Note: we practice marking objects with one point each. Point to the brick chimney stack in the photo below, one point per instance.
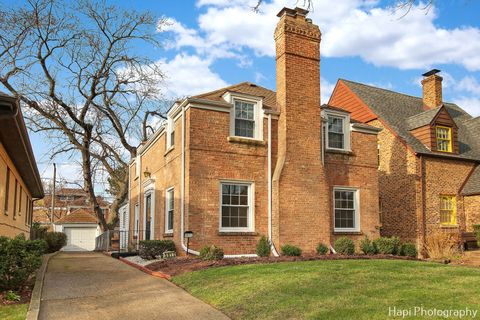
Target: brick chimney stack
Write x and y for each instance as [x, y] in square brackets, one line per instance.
[432, 89]
[300, 192]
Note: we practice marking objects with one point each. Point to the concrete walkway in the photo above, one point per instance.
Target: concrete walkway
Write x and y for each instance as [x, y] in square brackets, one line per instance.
[94, 286]
[471, 258]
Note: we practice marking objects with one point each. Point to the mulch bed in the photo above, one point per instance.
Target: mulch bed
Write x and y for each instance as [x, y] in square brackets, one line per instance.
[25, 295]
[181, 265]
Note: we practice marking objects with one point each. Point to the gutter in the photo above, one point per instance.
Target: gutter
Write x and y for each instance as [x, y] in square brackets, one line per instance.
[270, 229]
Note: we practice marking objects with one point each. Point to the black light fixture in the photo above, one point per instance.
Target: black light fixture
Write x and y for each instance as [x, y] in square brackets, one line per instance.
[188, 235]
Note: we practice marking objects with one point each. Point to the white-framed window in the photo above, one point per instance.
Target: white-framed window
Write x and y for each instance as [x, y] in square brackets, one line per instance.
[169, 210]
[148, 218]
[338, 131]
[246, 118]
[136, 220]
[346, 209]
[138, 166]
[170, 133]
[236, 206]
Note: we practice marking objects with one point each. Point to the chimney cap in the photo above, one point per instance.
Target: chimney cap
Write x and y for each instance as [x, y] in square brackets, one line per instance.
[431, 73]
[293, 12]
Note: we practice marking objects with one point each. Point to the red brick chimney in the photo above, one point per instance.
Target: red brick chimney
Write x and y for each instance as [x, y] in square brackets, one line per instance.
[300, 192]
[432, 89]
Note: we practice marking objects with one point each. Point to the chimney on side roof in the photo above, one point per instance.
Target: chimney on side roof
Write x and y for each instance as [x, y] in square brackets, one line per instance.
[432, 89]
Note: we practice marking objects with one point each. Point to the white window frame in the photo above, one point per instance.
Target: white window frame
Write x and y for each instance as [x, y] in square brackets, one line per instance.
[149, 190]
[346, 130]
[258, 112]
[167, 209]
[170, 129]
[136, 221]
[356, 204]
[251, 206]
[138, 165]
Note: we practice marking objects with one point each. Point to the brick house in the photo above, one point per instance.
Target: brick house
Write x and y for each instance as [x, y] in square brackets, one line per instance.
[20, 182]
[429, 153]
[243, 161]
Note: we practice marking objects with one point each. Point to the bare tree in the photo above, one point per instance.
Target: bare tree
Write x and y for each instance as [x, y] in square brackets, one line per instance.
[75, 68]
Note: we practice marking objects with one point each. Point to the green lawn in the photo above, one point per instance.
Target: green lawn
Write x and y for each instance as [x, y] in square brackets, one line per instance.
[333, 289]
[14, 312]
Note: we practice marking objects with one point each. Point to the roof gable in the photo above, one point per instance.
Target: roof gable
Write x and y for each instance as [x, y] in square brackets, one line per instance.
[78, 216]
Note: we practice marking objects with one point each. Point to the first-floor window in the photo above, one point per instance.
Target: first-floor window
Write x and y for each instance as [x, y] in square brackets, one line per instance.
[236, 207]
[448, 210]
[346, 209]
[136, 219]
[169, 210]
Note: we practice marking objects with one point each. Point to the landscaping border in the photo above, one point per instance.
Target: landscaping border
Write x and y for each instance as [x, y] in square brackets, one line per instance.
[157, 274]
[34, 306]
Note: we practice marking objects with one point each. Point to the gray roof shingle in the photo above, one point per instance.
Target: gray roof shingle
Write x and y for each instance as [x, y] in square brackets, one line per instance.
[402, 112]
[473, 184]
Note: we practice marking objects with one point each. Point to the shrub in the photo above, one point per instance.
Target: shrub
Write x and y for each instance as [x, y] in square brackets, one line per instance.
[37, 231]
[12, 296]
[322, 249]
[476, 229]
[367, 246]
[19, 258]
[408, 250]
[211, 253]
[289, 250]
[344, 245]
[386, 245]
[263, 247]
[441, 245]
[55, 241]
[151, 249]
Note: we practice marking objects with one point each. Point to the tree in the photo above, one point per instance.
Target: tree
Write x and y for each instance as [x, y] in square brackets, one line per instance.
[75, 69]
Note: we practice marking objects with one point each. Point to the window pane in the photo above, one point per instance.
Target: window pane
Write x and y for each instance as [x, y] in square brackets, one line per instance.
[335, 140]
[344, 209]
[234, 206]
[244, 128]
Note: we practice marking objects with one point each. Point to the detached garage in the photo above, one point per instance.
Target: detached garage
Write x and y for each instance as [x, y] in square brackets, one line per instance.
[81, 229]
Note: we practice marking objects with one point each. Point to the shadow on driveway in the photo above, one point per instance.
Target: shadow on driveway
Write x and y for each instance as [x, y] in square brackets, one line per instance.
[87, 285]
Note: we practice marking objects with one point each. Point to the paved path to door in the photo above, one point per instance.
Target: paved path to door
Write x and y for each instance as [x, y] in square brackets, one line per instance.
[94, 286]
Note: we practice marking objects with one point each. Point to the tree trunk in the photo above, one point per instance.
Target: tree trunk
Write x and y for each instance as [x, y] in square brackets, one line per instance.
[119, 198]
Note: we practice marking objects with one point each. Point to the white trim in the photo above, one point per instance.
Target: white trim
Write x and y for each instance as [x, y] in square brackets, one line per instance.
[136, 219]
[170, 129]
[346, 129]
[251, 206]
[257, 102]
[212, 108]
[269, 173]
[167, 202]
[149, 190]
[356, 204]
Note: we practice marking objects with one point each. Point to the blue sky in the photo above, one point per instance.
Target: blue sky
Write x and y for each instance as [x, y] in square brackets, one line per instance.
[208, 44]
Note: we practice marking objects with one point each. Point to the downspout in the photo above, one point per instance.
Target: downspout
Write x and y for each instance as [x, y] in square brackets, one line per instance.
[270, 229]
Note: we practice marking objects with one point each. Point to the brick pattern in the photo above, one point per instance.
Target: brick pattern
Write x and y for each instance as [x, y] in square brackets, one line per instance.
[432, 91]
[472, 212]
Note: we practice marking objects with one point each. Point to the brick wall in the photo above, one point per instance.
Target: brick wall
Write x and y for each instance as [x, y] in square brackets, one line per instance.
[472, 211]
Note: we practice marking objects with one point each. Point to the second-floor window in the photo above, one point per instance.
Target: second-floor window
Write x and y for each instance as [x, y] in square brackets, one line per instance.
[444, 139]
[170, 133]
[338, 131]
[244, 119]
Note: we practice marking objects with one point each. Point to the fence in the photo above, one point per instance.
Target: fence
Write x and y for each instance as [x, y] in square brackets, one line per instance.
[120, 240]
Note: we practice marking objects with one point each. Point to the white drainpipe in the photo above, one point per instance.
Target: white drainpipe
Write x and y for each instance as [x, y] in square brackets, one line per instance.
[269, 160]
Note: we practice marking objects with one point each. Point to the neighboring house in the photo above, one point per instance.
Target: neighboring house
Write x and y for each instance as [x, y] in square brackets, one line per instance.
[243, 161]
[20, 182]
[81, 228]
[66, 201]
[429, 152]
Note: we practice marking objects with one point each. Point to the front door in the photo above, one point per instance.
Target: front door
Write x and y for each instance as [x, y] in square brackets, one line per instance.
[148, 216]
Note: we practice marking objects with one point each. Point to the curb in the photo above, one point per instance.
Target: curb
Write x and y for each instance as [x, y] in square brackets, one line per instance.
[157, 274]
[34, 306]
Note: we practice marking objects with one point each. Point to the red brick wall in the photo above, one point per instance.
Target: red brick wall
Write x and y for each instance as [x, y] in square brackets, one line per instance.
[472, 211]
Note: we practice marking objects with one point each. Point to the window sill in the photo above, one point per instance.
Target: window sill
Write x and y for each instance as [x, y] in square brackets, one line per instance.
[249, 141]
[168, 235]
[449, 226]
[168, 150]
[346, 152]
[352, 233]
[237, 233]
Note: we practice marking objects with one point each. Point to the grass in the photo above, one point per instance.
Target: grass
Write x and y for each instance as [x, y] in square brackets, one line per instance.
[14, 311]
[341, 289]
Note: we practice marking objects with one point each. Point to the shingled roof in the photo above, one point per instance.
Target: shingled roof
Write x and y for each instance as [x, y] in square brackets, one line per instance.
[402, 113]
[473, 184]
[78, 216]
[269, 98]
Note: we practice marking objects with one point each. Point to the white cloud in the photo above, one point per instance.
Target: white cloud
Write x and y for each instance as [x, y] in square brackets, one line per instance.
[188, 75]
[469, 84]
[350, 28]
[469, 104]
[326, 89]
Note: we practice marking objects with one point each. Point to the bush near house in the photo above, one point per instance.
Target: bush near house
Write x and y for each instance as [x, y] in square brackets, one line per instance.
[344, 245]
[263, 247]
[322, 249]
[55, 241]
[367, 246]
[19, 259]
[211, 253]
[289, 250]
[408, 250]
[476, 229]
[37, 231]
[151, 249]
[441, 245]
[385, 245]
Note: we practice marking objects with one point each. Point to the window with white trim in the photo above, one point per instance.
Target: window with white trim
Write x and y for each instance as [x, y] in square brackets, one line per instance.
[345, 207]
[338, 131]
[170, 133]
[169, 210]
[136, 219]
[236, 207]
[244, 119]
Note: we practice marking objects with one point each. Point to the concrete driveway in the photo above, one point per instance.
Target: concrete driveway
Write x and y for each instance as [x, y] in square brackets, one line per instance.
[86, 285]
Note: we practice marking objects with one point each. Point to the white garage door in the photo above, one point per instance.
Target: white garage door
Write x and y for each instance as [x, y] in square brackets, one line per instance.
[80, 238]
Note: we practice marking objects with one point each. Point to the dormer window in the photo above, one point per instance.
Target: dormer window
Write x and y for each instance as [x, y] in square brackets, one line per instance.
[444, 139]
[338, 131]
[244, 119]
